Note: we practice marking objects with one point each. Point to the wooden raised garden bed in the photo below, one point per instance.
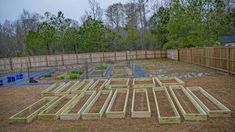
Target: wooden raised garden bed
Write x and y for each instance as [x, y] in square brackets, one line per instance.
[118, 104]
[117, 83]
[31, 112]
[166, 110]
[53, 111]
[50, 91]
[140, 104]
[209, 104]
[65, 89]
[97, 106]
[74, 110]
[143, 83]
[189, 108]
[98, 85]
[82, 86]
[167, 81]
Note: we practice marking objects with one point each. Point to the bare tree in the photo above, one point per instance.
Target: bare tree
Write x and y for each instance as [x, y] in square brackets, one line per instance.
[96, 12]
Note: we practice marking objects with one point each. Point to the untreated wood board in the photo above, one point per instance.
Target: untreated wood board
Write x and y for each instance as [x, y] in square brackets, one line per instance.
[53, 111]
[166, 110]
[117, 82]
[50, 91]
[189, 108]
[65, 89]
[209, 104]
[97, 106]
[74, 110]
[98, 85]
[140, 104]
[143, 82]
[118, 104]
[31, 112]
[82, 86]
[167, 81]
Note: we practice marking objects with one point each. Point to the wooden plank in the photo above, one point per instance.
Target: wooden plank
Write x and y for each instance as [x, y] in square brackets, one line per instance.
[169, 119]
[82, 86]
[167, 81]
[194, 111]
[53, 111]
[207, 99]
[98, 85]
[118, 113]
[31, 112]
[140, 113]
[79, 104]
[117, 82]
[88, 114]
[143, 82]
[50, 91]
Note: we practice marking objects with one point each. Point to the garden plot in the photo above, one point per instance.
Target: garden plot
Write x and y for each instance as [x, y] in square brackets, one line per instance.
[140, 104]
[53, 111]
[119, 71]
[143, 83]
[28, 114]
[98, 85]
[167, 81]
[117, 83]
[98, 105]
[50, 91]
[209, 104]
[77, 106]
[82, 86]
[166, 110]
[118, 104]
[66, 88]
[189, 108]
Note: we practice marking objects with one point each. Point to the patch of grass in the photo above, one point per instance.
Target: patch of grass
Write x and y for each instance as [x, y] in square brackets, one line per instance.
[73, 75]
[103, 66]
[77, 128]
[48, 75]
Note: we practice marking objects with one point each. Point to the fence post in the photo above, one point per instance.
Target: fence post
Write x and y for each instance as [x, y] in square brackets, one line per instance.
[30, 65]
[115, 55]
[11, 64]
[154, 54]
[136, 55]
[62, 57]
[91, 57]
[103, 55]
[46, 60]
[228, 60]
[126, 55]
[145, 54]
[178, 54]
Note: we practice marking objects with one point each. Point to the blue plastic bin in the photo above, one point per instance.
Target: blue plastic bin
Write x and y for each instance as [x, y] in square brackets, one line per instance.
[21, 76]
[1, 82]
[11, 79]
[17, 76]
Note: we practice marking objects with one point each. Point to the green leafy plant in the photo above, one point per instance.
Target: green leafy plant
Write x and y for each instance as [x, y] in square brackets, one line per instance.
[103, 66]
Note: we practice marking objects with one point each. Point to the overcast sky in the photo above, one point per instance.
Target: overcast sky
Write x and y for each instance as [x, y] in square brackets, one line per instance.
[74, 9]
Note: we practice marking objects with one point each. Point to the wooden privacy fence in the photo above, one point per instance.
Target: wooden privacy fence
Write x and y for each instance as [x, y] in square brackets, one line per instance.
[218, 58]
[21, 63]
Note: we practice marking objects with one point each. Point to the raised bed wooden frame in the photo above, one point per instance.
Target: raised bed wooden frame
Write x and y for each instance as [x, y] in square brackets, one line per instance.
[188, 116]
[140, 114]
[72, 83]
[223, 112]
[50, 91]
[166, 120]
[96, 83]
[45, 115]
[124, 85]
[65, 115]
[16, 118]
[76, 88]
[87, 115]
[117, 114]
[178, 81]
[144, 84]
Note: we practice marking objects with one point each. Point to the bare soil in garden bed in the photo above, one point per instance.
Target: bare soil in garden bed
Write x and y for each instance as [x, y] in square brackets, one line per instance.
[117, 82]
[98, 85]
[83, 85]
[169, 81]
[79, 104]
[118, 104]
[98, 104]
[144, 82]
[140, 102]
[67, 88]
[59, 106]
[164, 104]
[209, 104]
[185, 101]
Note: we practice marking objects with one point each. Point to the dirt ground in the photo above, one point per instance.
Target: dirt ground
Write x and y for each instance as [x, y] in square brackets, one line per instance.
[13, 100]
